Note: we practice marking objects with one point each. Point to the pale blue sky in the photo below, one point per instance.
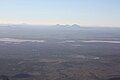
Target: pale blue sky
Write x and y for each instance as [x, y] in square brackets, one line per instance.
[83, 12]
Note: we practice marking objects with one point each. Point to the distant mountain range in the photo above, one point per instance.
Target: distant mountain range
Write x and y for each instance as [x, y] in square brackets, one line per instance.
[57, 25]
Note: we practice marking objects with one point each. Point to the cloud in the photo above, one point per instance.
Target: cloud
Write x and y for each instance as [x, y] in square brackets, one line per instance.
[12, 40]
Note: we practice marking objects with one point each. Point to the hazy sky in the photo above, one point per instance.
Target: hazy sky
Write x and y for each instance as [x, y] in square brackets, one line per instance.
[83, 12]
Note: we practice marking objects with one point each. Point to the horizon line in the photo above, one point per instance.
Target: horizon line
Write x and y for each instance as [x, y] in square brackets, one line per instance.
[8, 24]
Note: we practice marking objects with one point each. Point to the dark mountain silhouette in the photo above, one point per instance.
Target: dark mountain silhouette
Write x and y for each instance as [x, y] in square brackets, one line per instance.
[4, 77]
[114, 78]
